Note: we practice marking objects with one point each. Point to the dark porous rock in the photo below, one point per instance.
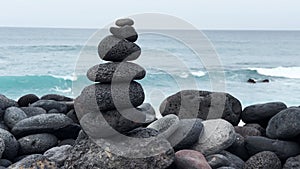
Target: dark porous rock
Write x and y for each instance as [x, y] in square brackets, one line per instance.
[5, 163]
[142, 133]
[247, 131]
[44, 123]
[261, 113]
[292, 163]
[204, 105]
[218, 135]
[13, 115]
[125, 32]
[115, 49]
[56, 97]
[265, 160]
[72, 115]
[285, 125]
[51, 104]
[113, 122]
[283, 149]
[104, 97]
[116, 72]
[34, 161]
[6, 102]
[70, 142]
[187, 133]
[238, 147]
[3, 126]
[150, 153]
[58, 154]
[69, 132]
[185, 159]
[234, 160]
[28, 99]
[11, 145]
[2, 147]
[124, 22]
[258, 127]
[217, 160]
[166, 125]
[36, 143]
[33, 111]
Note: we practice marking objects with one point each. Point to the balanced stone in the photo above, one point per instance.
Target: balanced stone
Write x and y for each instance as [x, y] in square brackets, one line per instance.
[185, 159]
[124, 22]
[187, 133]
[27, 100]
[13, 115]
[285, 125]
[36, 143]
[202, 104]
[11, 145]
[262, 112]
[283, 149]
[41, 123]
[265, 159]
[104, 97]
[115, 49]
[125, 32]
[116, 72]
[218, 135]
[166, 126]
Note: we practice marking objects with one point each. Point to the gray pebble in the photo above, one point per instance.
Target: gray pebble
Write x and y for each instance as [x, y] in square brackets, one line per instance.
[11, 145]
[124, 22]
[13, 115]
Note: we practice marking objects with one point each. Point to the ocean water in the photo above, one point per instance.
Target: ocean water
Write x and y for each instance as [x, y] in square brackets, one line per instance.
[42, 61]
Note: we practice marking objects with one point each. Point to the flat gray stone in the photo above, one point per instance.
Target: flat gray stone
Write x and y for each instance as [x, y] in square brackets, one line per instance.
[125, 32]
[58, 154]
[33, 111]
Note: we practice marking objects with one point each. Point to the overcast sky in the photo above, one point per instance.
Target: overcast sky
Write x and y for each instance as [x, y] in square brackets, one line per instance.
[204, 14]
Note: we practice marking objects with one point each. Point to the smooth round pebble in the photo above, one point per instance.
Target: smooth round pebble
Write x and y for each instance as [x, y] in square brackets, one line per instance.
[217, 160]
[285, 124]
[33, 111]
[125, 32]
[58, 154]
[11, 145]
[124, 22]
[116, 72]
[265, 160]
[187, 133]
[13, 115]
[218, 135]
[189, 159]
[115, 49]
[166, 125]
[28, 99]
[292, 163]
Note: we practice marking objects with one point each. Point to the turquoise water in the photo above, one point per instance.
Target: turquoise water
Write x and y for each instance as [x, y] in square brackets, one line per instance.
[42, 61]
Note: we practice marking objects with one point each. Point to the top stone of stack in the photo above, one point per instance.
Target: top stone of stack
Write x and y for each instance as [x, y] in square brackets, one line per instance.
[120, 45]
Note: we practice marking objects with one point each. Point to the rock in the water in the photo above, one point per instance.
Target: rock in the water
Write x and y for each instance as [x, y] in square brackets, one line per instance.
[116, 72]
[247, 131]
[142, 133]
[259, 113]
[125, 32]
[234, 160]
[285, 125]
[189, 159]
[104, 97]
[292, 163]
[51, 104]
[58, 154]
[56, 97]
[187, 133]
[218, 135]
[283, 149]
[36, 143]
[44, 123]
[166, 126]
[150, 153]
[265, 160]
[217, 160]
[13, 115]
[124, 22]
[203, 104]
[238, 147]
[5, 163]
[6, 102]
[115, 49]
[33, 162]
[2, 147]
[11, 145]
[33, 111]
[28, 99]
